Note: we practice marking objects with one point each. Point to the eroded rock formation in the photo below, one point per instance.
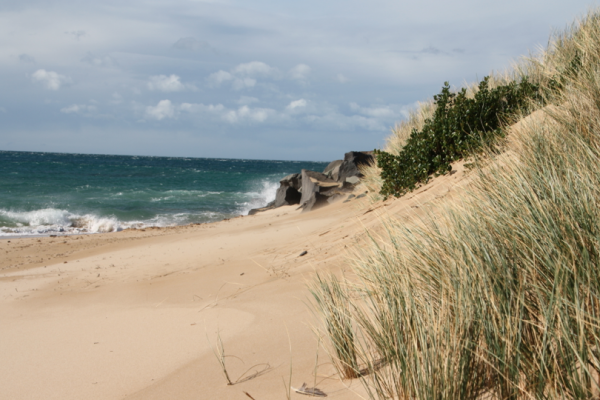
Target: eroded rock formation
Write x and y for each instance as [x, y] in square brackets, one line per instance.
[312, 190]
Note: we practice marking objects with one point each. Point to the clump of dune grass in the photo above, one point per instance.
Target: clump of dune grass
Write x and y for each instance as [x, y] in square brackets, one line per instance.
[496, 295]
[332, 300]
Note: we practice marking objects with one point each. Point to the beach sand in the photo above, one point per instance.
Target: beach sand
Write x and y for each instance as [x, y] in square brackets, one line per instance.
[129, 315]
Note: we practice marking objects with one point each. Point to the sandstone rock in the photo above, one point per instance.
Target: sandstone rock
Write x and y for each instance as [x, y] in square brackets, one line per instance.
[315, 186]
[315, 182]
[353, 160]
[287, 196]
[332, 171]
[353, 180]
[292, 180]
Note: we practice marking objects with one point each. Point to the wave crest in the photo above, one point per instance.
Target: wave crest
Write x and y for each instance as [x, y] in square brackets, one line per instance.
[52, 220]
[265, 193]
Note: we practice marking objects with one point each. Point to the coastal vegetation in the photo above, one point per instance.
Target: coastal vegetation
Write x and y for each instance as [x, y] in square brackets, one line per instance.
[460, 126]
[496, 294]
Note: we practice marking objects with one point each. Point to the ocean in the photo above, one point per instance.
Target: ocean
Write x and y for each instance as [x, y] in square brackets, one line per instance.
[50, 193]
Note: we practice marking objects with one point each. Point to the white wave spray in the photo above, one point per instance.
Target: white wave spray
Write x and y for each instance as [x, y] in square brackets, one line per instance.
[265, 193]
[52, 220]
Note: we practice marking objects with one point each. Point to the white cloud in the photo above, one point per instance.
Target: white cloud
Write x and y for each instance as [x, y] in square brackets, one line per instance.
[254, 68]
[165, 83]
[256, 114]
[215, 79]
[219, 77]
[196, 108]
[242, 114]
[377, 112]
[296, 104]
[50, 79]
[77, 108]
[243, 75]
[324, 116]
[164, 109]
[336, 121]
[341, 78]
[300, 72]
[320, 116]
[241, 83]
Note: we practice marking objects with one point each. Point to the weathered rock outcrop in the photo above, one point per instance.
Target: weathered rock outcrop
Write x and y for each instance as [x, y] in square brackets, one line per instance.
[333, 169]
[292, 180]
[288, 193]
[313, 189]
[352, 161]
[287, 196]
[315, 182]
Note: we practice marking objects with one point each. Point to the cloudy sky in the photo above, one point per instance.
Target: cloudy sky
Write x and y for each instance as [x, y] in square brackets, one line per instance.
[262, 79]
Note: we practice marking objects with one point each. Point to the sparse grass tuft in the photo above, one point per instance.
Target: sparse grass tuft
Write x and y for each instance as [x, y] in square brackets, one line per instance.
[219, 352]
[332, 302]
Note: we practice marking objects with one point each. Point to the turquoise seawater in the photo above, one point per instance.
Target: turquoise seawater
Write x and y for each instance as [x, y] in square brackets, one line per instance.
[45, 193]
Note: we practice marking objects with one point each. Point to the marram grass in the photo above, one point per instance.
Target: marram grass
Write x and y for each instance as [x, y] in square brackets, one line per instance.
[496, 295]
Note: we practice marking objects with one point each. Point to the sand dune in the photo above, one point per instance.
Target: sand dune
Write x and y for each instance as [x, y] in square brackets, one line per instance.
[126, 315]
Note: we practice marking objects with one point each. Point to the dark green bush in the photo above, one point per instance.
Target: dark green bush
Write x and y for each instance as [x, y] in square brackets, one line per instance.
[460, 126]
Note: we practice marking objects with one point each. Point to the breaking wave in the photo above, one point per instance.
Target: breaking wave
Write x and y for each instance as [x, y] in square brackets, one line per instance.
[50, 221]
[264, 194]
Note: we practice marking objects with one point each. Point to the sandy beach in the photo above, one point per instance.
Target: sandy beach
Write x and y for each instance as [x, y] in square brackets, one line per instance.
[136, 314]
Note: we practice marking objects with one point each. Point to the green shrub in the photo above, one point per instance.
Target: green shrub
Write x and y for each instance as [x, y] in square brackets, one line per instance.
[459, 127]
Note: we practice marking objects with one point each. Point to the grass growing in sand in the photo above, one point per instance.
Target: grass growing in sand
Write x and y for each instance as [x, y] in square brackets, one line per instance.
[497, 296]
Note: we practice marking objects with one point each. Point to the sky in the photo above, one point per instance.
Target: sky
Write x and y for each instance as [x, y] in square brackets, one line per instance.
[254, 79]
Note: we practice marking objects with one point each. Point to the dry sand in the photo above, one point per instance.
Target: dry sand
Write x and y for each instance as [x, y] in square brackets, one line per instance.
[126, 315]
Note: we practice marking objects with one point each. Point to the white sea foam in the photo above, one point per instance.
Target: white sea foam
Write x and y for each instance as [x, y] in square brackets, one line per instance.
[50, 221]
[93, 224]
[46, 216]
[265, 193]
